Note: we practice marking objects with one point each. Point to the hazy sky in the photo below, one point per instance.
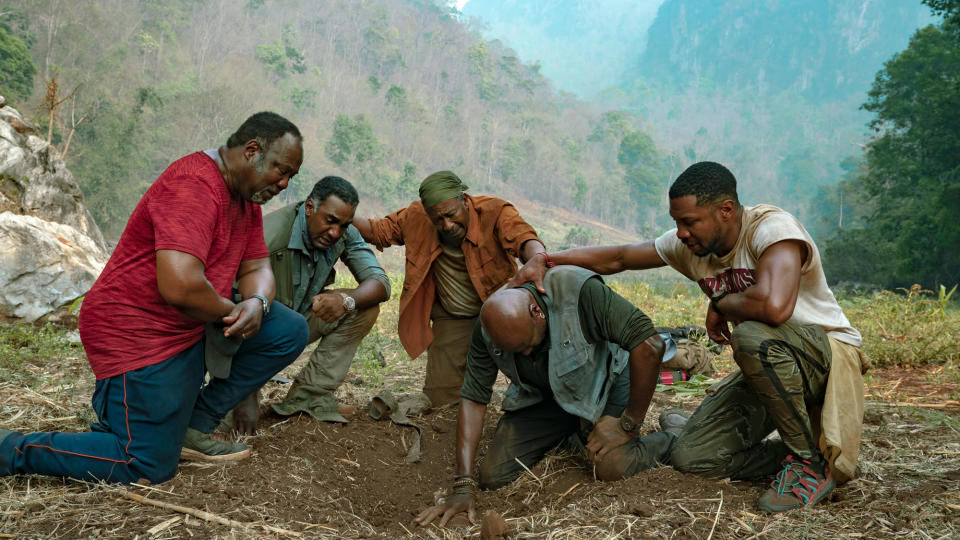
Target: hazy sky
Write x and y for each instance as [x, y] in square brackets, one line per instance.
[583, 46]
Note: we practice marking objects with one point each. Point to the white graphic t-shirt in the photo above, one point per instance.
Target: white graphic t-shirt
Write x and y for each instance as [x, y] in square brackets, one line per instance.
[762, 226]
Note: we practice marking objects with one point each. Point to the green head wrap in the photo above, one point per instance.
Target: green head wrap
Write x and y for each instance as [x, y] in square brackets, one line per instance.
[440, 186]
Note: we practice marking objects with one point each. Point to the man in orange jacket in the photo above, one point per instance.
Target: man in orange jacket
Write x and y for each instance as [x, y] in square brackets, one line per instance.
[459, 250]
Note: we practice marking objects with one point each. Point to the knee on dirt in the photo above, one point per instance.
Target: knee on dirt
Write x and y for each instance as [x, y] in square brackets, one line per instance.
[490, 477]
[156, 468]
[613, 466]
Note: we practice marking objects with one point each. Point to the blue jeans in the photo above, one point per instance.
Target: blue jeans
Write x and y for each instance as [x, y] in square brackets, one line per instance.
[144, 414]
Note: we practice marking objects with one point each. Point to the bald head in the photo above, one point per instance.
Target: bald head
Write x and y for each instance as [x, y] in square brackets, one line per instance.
[513, 320]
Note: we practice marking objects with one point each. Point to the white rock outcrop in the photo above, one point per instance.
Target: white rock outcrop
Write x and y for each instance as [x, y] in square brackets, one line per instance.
[51, 250]
[45, 265]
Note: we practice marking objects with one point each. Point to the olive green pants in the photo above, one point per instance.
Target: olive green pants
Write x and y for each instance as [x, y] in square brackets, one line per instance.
[447, 356]
[783, 369]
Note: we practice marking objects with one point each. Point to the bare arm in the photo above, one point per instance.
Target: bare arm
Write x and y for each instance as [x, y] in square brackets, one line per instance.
[600, 259]
[611, 259]
[365, 227]
[182, 284]
[531, 248]
[772, 298]
[644, 365]
[255, 277]
[469, 429]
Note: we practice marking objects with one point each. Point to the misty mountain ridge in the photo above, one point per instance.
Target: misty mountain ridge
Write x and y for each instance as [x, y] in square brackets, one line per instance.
[821, 49]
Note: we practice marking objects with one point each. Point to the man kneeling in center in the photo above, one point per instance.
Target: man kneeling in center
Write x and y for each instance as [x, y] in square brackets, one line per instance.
[305, 240]
[582, 361]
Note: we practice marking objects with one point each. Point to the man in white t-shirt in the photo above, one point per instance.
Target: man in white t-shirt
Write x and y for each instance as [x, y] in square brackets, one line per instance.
[800, 360]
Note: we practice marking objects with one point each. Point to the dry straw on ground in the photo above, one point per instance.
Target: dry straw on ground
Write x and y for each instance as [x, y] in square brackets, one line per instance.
[313, 480]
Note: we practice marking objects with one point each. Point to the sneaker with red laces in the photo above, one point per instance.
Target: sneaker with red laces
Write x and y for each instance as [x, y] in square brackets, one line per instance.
[801, 483]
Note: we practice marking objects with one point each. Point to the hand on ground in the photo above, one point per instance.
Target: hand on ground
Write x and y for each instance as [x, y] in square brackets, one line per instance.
[453, 505]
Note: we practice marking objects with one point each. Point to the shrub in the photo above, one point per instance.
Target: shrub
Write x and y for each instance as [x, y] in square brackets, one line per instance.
[909, 329]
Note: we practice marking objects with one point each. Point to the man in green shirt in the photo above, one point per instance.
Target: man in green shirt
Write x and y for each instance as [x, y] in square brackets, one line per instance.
[305, 240]
[583, 365]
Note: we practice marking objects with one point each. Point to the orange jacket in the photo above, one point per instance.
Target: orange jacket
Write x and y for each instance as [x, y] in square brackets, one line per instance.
[495, 236]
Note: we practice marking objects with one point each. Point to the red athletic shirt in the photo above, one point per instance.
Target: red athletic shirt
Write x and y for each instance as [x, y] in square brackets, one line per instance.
[124, 322]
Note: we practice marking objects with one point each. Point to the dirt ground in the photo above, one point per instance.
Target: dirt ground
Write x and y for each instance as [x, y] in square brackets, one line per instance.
[317, 480]
[320, 480]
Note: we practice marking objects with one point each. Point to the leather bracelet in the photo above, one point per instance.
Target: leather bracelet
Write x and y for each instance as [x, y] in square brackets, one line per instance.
[549, 264]
[717, 298]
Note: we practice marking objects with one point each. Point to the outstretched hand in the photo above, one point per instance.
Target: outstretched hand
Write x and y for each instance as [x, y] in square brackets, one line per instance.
[534, 270]
[453, 505]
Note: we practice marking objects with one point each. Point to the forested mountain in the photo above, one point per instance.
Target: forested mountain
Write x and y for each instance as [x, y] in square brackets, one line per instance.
[385, 92]
[772, 89]
[822, 50]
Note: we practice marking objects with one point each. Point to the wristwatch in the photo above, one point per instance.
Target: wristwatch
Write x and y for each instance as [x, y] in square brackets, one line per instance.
[628, 424]
[349, 303]
[714, 300]
[264, 301]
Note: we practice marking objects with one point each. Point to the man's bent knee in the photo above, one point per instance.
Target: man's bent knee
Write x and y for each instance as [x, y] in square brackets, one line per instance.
[614, 465]
[491, 477]
[156, 472]
[693, 462]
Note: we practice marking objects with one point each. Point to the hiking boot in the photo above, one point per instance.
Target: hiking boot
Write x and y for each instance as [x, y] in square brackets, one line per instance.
[801, 483]
[673, 421]
[199, 446]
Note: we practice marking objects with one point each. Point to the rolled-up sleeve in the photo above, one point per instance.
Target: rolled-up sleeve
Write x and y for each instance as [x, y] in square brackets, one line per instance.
[513, 230]
[389, 230]
[481, 371]
[361, 261]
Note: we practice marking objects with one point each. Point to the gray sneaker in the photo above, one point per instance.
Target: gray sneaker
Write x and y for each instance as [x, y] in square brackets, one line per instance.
[673, 421]
[198, 446]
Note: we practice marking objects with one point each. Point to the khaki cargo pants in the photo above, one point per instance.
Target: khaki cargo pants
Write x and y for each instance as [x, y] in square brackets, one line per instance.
[447, 356]
[329, 362]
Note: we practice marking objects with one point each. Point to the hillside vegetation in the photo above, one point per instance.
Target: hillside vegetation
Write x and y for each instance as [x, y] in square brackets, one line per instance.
[384, 92]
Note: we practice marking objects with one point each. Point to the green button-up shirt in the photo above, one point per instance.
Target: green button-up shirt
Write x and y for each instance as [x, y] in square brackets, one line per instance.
[302, 271]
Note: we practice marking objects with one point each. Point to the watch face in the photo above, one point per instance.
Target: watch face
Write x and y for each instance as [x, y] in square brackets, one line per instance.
[627, 424]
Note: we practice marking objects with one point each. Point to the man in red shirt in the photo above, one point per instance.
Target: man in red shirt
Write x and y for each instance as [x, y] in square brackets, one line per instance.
[196, 232]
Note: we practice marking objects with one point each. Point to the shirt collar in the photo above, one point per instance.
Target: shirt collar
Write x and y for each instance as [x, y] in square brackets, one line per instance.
[473, 223]
[299, 239]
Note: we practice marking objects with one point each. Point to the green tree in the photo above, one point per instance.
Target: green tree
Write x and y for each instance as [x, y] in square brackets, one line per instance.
[644, 169]
[912, 175]
[352, 140]
[16, 67]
